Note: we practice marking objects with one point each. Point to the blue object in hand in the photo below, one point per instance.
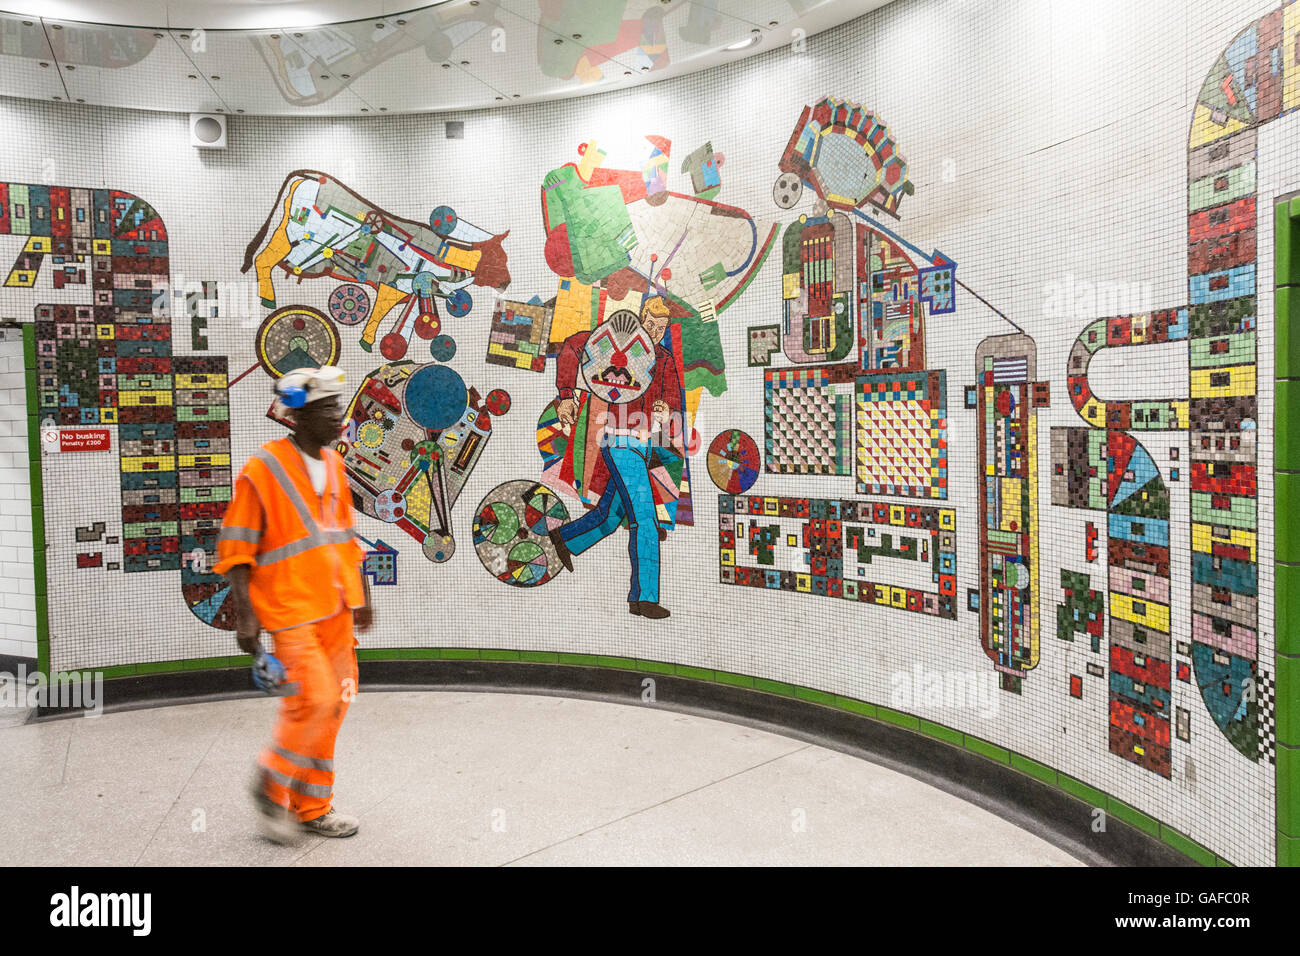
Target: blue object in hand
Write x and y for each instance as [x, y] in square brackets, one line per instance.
[269, 674]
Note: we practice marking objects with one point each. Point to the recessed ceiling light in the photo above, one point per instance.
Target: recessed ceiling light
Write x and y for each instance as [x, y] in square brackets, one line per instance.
[275, 36]
[57, 27]
[157, 36]
[324, 76]
[401, 23]
[221, 109]
[44, 64]
[27, 23]
[577, 36]
[346, 76]
[644, 68]
[216, 77]
[501, 97]
[239, 111]
[446, 66]
[627, 72]
[80, 100]
[69, 66]
[193, 76]
[516, 96]
[741, 44]
[58, 97]
[558, 40]
[298, 35]
[365, 109]
[464, 62]
[383, 109]
[379, 25]
[772, 23]
[185, 36]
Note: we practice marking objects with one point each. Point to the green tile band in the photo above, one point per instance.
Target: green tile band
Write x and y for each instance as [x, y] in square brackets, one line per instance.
[1286, 484]
[40, 581]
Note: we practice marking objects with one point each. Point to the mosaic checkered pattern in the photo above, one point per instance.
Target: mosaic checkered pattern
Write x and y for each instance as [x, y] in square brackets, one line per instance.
[902, 435]
[808, 420]
[1267, 716]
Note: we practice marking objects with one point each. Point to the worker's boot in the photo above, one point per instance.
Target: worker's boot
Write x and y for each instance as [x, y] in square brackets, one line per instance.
[332, 824]
[278, 824]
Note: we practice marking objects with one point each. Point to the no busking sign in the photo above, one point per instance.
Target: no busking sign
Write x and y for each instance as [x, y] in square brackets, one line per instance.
[80, 439]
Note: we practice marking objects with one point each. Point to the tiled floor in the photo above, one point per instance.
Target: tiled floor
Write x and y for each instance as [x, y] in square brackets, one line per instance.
[481, 779]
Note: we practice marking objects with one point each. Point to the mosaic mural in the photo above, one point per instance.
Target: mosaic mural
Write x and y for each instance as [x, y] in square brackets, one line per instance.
[838, 470]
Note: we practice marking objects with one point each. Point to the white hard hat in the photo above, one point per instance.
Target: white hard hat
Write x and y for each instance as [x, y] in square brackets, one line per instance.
[305, 385]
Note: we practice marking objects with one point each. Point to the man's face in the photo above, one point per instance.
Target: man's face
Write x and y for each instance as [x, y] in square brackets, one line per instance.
[321, 420]
[654, 325]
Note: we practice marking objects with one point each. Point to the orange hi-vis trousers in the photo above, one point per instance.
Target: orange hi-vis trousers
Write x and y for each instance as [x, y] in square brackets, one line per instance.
[321, 659]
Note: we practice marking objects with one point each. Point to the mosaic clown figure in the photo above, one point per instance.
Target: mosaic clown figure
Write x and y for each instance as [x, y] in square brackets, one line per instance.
[623, 363]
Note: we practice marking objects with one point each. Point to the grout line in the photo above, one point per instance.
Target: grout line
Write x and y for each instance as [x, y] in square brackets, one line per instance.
[661, 803]
[166, 813]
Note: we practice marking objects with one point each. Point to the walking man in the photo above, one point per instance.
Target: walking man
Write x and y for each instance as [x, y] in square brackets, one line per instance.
[641, 375]
[289, 551]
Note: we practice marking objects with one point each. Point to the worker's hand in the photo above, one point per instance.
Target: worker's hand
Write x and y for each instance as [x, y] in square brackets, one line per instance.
[660, 410]
[248, 629]
[362, 618]
[566, 410]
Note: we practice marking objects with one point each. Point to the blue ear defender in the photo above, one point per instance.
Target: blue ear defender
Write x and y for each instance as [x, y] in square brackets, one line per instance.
[292, 396]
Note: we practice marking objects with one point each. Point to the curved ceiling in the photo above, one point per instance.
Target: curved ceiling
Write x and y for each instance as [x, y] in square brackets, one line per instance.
[347, 57]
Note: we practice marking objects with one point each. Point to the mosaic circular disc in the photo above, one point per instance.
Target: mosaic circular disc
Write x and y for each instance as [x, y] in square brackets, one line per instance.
[439, 547]
[511, 532]
[498, 401]
[349, 305]
[443, 220]
[443, 348]
[435, 397]
[786, 190]
[296, 337]
[390, 505]
[459, 302]
[734, 461]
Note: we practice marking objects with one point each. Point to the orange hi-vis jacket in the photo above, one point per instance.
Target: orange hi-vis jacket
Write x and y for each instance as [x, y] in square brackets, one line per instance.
[304, 554]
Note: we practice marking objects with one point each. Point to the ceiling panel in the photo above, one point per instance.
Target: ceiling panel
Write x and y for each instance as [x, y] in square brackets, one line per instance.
[23, 50]
[463, 54]
[135, 67]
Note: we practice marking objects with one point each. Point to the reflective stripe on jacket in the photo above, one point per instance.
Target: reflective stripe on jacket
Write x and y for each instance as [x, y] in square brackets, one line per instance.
[304, 555]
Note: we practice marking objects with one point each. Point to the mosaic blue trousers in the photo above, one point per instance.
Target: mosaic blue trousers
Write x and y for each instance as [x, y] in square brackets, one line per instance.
[629, 493]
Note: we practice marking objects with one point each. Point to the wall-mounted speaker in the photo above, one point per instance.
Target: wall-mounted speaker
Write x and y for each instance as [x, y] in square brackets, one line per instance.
[207, 131]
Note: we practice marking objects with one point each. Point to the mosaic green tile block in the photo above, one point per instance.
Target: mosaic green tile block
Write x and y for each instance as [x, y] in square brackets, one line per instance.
[1286, 309]
[1132, 816]
[1186, 846]
[895, 717]
[1033, 768]
[986, 749]
[695, 673]
[855, 706]
[656, 667]
[1077, 788]
[773, 687]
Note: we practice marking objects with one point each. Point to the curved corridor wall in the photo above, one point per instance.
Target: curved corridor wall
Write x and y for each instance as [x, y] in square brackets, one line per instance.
[889, 255]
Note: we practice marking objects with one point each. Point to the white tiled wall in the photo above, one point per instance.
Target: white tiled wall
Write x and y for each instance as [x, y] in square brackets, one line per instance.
[1048, 143]
[17, 591]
